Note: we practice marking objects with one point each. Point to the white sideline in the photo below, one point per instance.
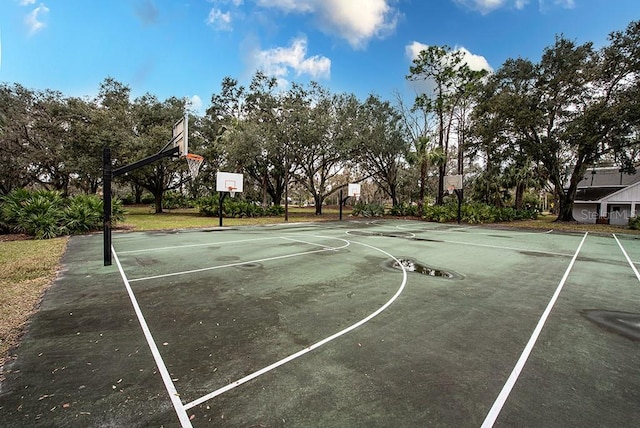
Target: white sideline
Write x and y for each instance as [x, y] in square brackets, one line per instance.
[627, 257]
[166, 378]
[513, 378]
[286, 256]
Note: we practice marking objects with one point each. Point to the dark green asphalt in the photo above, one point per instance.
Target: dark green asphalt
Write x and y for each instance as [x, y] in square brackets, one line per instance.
[234, 311]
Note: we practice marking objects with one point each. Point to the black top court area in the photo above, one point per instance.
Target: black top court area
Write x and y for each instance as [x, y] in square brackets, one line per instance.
[343, 324]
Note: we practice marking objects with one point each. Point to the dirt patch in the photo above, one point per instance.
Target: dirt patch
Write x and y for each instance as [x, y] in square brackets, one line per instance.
[14, 237]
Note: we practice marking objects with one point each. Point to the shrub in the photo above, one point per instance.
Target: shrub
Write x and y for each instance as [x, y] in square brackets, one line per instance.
[235, 208]
[634, 223]
[38, 213]
[440, 213]
[364, 209]
[83, 214]
[207, 205]
[46, 214]
[475, 213]
[404, 210]
[173, 200]
[274, 211]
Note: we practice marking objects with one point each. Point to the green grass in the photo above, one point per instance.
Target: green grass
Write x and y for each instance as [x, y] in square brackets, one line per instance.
[27, 267]
[144, 218]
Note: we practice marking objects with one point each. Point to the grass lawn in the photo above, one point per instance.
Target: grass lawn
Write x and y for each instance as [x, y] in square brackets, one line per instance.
[144, 218]
[28, 266]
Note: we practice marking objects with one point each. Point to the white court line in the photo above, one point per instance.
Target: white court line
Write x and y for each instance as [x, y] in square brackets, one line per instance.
[627, 257]
[146, 250]
[457, 229]
[513, 378]
[472, 244]
[311, 243]
[312, 347]
[187, 272]
[378, 234]
[501, 247]
[164, 373]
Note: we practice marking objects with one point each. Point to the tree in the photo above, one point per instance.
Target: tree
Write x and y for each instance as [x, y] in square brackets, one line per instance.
[418, 129]
[153, 130]
[380, 144]
[449, 79]
[320, 134]
[15, 157]
[250, 126]
[503, 101]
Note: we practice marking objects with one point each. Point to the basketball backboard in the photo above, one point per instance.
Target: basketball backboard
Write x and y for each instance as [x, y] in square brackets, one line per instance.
[180, 136]
[452, 182]
[354, 190]
[229, 182]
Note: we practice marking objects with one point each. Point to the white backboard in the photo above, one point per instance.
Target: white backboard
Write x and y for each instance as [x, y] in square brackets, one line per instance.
[454, 181]
[229, 182]
[354, 189]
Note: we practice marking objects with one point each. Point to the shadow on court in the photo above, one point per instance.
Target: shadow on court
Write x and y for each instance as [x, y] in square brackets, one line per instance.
[344, 324]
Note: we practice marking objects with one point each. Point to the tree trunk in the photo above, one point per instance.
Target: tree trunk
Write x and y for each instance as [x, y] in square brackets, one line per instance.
[423, 183]
[158, 202]
[318, 201]
[520, 188]
[565, 210]
[440, 196]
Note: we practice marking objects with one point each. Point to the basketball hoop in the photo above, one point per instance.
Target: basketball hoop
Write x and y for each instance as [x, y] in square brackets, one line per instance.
[232, 191]
[356, 196]
[195, 162]
[451, 189]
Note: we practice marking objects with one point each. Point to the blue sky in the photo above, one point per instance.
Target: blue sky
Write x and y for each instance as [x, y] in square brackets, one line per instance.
[184, 48]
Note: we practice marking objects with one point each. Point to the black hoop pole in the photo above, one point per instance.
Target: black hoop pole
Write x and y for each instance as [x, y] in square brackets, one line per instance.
[459, 195]
[106, 204]
[221, 196]
[108, 173]
[342, 202]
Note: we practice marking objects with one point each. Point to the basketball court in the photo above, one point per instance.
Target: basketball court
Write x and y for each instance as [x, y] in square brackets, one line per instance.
[351, 323]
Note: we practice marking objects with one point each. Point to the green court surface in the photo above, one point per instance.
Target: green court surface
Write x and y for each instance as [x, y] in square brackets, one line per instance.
[312, 325]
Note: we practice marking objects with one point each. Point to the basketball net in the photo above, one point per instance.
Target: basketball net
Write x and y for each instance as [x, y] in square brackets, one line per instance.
[194, 162]
[451, 189]
[232, 191]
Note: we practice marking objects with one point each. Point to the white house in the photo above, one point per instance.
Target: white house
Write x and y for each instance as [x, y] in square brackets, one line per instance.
[606, 195]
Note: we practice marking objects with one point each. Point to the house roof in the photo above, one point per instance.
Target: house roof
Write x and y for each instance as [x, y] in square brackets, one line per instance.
[595, 193]
[607, 177]
[600, 184]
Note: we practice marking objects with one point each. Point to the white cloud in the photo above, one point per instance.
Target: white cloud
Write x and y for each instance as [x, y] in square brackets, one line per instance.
[300, 6]
[475, 62]
[278, 62]
[32, 20]
[219, 20]
[27, 2]
[195, 103]
[356, 21]
[412, 50]
[488, 6]
[566, 4]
